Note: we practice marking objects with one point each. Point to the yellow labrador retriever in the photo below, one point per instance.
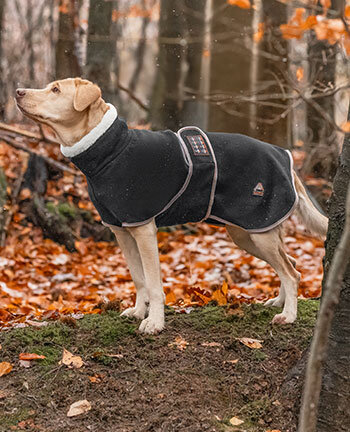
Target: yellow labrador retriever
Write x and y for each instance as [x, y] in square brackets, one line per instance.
[81, 119]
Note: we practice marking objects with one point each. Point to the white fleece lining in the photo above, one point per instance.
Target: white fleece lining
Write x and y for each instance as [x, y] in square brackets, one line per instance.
[270, 227]
[88, 140]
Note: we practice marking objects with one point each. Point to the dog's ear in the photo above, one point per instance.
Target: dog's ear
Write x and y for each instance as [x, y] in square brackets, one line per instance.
[85, 94]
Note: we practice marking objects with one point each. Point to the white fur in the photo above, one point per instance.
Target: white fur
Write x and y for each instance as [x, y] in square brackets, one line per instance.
[89, 139]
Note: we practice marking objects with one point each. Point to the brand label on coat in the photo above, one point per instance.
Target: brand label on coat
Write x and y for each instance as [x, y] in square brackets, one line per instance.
[259, 190]
[198, 145]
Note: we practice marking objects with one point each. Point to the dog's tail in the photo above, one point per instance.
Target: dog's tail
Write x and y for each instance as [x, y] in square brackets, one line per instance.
[309, 215]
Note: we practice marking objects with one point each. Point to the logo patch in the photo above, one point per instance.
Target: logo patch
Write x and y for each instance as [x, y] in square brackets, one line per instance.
[259, 190]
[198, 145]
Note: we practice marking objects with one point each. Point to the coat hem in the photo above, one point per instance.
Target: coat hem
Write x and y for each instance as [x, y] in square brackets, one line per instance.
[275, 224]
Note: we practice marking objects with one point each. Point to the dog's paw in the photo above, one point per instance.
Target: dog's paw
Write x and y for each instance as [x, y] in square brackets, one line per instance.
[135, 312]
[151, 325]
[277, 301]
[284, 318]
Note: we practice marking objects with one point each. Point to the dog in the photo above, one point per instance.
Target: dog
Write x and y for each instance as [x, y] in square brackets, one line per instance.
[139, 180]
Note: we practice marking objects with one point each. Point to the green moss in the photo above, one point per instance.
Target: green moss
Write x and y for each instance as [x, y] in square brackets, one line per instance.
[256, 410]
[13, 418]
[108, 328]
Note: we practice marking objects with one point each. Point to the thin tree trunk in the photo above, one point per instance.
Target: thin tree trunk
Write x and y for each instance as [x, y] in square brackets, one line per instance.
[198, 27]
[100, 47]
[330, 299]
[67, 64]
[140, 51]
[334, 408]
[167, 98]
[2, 84]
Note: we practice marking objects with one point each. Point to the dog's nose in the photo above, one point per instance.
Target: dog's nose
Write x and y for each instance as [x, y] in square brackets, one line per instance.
[20, 92]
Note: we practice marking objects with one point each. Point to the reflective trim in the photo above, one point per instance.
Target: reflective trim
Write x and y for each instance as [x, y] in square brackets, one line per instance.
[270, 227]
[189, 163]
[215, 176]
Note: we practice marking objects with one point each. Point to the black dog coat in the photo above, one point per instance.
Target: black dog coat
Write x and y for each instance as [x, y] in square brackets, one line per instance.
[136, 175]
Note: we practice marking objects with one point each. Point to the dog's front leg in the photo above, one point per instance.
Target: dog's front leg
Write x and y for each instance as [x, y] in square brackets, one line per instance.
[146, 240]
[132, 256]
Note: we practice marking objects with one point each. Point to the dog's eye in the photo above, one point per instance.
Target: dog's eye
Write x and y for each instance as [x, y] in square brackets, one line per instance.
[55, 90]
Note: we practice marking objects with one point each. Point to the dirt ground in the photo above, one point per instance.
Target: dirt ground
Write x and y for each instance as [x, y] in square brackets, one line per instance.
[151, 385]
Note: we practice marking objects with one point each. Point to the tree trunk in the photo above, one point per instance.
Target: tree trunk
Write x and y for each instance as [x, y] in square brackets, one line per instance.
[67, 64]
[167, 98]
[334, 408]
[100, 47]
[2, 85]
[230, 66]
[271, 74]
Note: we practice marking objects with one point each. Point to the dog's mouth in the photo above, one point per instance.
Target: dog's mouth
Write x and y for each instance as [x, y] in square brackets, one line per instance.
[32, 115]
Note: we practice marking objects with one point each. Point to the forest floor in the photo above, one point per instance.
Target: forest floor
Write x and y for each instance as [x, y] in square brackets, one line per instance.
[199, 375]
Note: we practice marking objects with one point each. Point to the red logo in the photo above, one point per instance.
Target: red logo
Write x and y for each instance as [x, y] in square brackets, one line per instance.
[259, 190]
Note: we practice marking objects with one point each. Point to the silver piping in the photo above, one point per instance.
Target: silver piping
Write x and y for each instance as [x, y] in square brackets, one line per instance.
[215, 177]
[189, 163]
[286, 216]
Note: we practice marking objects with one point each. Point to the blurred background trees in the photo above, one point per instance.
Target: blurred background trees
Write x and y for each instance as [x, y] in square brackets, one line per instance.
[224, 65]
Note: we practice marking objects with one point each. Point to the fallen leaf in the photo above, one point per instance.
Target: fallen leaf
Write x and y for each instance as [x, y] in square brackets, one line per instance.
[25, 363]
[5, 368]
[231, 361]
[300, 73]
[243, 4]
[216, 344]
[235, 421]
[71, 360]
[251, 343]
[180, 343]
[79, 407]
[220, 295]
[31, 356]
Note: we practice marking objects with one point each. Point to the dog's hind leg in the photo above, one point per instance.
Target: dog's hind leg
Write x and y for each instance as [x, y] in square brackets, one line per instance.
[268, 246]
[132, 256]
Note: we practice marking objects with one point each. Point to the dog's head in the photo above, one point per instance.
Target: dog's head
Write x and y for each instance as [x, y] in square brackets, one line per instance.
[70, 107]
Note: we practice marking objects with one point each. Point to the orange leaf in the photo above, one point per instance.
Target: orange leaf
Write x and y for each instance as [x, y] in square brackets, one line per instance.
[5, 368]
[220, 295]
[300, 73]
[170, 298]
[347, 11]
[31, 356]
[258, 35]
[180, 343]
[251, 343]
[346, 126]
[243, 4]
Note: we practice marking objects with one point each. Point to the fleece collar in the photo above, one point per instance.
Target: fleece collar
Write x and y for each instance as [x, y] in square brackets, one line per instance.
[88, 140]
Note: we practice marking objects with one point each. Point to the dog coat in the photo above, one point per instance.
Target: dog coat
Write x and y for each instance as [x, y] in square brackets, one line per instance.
[189, 176]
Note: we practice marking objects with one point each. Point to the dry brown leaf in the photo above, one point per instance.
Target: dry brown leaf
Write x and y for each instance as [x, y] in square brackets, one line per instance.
[180, 343]
[71, 360]
[31, 356]
[220, 295]
[243, 4]
[251, 343]
[79, 407]
[211, 344]
[300, 74]
[25, 363]
[235, 421]
[5, 368]
[231, 361]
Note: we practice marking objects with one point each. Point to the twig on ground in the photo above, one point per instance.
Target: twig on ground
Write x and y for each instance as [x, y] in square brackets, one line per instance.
[333, 285]
[50, 161]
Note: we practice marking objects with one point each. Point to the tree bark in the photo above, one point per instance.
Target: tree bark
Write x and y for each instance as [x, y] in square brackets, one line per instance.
[100, 48]
[167, 98]
[67, 64]
[2, 86]
[334, 408]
